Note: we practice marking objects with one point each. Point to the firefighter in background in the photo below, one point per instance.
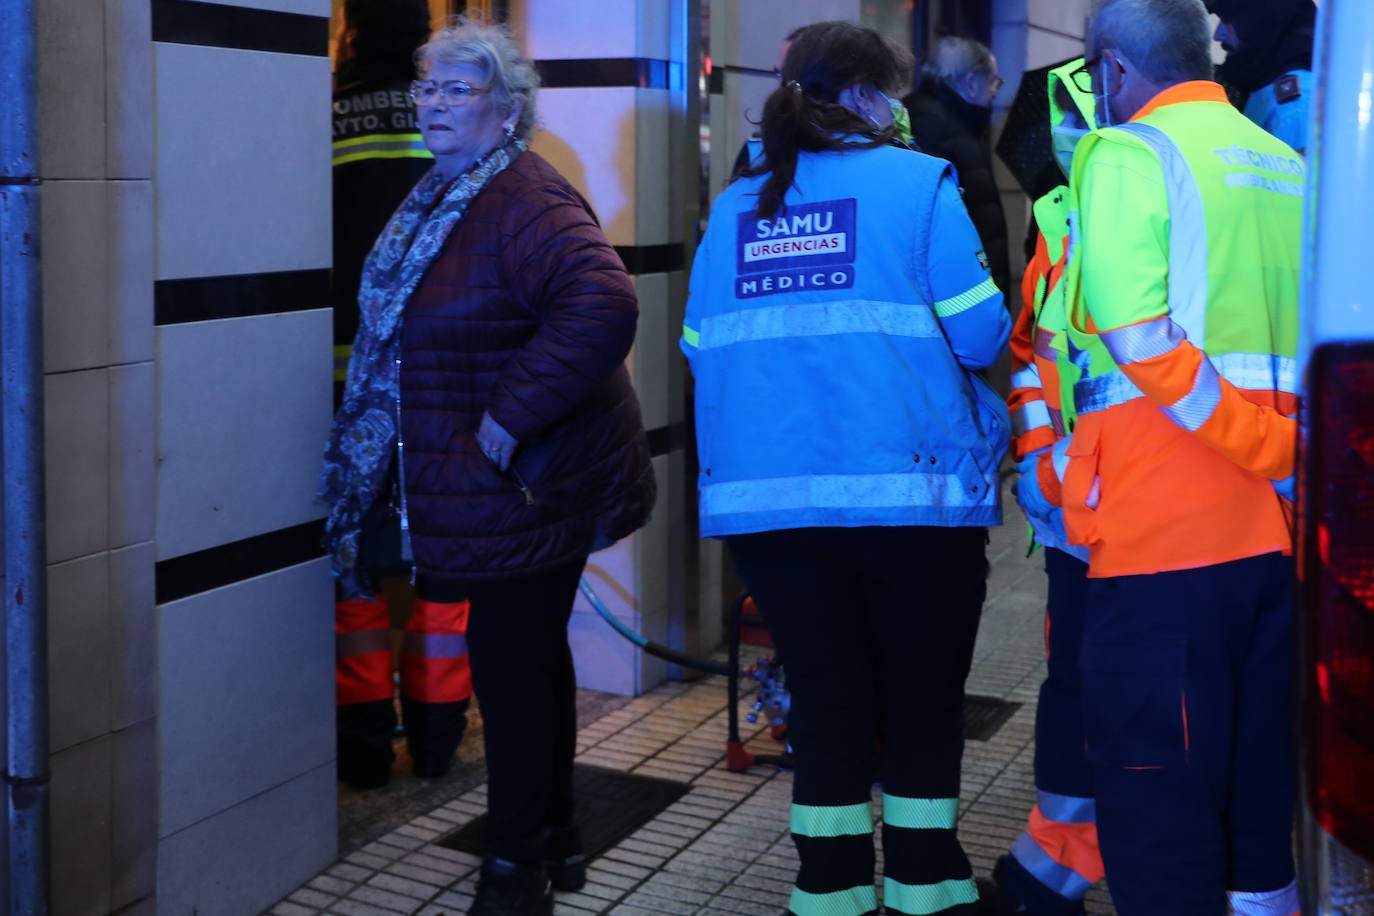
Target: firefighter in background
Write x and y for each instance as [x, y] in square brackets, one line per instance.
[378, 158]
[1183, 318]
[1055, 860]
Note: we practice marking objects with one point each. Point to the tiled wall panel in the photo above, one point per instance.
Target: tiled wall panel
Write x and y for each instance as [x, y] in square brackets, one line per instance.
[244, 410]
[243, 860]
[242, 165]
[589, 135]
[579, 29]
[79, 648]
[253, 705]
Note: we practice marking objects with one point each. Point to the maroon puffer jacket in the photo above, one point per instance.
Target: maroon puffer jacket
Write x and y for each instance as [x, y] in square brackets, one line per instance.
[527, 313]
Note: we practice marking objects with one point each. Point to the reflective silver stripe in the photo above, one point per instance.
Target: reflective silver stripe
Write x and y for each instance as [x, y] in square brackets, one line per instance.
[1193, 409]
[1104, 391]
[1146, 340]
[1066, 809]
[361, 642]
[1281, 902]
[1249, 371]
[858, 491]
[1187, 233]
[1258, 371]
[817, 319]
[1028, 377]
[436, 645]
[1043, 344]
[1030, 415]
[1059, 457]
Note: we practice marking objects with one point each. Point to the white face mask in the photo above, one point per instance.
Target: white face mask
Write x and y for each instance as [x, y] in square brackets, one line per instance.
[1065, 141]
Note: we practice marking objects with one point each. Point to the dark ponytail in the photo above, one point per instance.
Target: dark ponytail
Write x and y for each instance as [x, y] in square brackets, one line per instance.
[804, 115]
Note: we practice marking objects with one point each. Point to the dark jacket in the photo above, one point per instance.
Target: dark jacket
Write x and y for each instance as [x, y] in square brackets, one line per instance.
[526, 313]
[944, 125]
[1276, 36]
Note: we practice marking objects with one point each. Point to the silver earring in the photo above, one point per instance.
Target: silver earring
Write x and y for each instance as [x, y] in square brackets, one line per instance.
[510, 132]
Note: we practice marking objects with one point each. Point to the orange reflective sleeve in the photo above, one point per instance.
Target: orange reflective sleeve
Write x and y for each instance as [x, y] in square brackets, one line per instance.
[1183, 382]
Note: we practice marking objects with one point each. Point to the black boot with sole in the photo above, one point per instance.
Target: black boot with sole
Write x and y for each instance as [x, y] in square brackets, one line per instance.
[509, 889]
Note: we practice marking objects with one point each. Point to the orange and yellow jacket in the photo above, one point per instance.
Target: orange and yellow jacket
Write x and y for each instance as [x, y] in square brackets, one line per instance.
[1035, 404]
[1183, 322]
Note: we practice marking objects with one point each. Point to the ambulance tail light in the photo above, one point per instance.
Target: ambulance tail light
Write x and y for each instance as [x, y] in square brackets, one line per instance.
[1336, 676]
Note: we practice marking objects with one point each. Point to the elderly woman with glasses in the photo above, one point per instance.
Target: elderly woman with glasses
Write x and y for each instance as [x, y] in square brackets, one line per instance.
[489, 370]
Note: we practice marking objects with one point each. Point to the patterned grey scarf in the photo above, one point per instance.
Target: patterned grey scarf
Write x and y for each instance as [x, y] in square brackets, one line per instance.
[362, 441]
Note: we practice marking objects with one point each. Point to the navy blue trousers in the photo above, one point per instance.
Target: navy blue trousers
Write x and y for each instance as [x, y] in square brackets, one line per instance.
[1060, 766]
[1055, 861]
[1187, 701]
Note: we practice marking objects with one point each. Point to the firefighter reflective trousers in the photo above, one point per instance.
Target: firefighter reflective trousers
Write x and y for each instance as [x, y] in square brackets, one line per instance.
[875, 630]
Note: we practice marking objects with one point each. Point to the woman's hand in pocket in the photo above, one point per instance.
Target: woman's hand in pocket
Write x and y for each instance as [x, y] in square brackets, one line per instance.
[498, 445]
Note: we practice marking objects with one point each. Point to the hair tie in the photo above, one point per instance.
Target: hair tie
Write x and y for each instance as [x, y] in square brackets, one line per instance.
[794, 86]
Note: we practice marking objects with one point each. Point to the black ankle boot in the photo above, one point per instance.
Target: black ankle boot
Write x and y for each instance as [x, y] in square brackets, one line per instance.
[563, 858]
[508, 889]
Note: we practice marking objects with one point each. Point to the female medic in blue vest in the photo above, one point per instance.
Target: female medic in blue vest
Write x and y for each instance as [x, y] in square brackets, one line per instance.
[840, 311]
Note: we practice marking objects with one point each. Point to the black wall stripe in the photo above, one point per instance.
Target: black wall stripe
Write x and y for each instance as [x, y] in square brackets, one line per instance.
[642, 72]
[651, 259]
[181, 577]
[240, 295]
[220, 26]
[668, 438]
[715, 83]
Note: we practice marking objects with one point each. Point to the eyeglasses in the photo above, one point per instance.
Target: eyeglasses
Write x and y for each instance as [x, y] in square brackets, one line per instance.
[1083, 76]
[995, 84]
[453, 92]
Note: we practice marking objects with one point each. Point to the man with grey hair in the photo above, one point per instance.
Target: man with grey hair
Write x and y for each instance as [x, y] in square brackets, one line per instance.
[950, 114]
[1180, 341]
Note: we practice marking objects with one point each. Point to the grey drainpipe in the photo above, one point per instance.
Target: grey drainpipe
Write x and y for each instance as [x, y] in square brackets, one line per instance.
[21, 424]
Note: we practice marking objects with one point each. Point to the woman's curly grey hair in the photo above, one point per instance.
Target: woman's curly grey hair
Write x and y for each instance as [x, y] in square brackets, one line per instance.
[489, 48]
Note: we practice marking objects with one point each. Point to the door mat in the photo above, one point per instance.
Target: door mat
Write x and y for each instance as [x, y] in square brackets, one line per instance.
[610, 806]
[983, 716]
